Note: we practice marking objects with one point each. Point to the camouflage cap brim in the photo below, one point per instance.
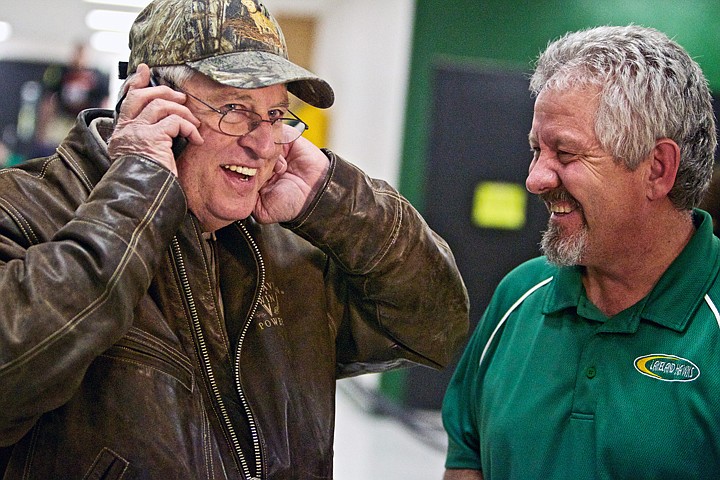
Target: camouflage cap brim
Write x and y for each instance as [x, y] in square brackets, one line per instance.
[257, 69]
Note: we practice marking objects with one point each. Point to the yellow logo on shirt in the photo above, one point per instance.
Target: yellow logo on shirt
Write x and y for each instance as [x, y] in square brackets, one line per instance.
[667, 368]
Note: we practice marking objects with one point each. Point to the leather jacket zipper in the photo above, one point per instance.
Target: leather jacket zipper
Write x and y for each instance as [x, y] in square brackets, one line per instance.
[256, 302]
[205, 361]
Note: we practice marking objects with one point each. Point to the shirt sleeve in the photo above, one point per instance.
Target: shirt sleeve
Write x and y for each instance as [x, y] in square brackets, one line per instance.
[460, 407]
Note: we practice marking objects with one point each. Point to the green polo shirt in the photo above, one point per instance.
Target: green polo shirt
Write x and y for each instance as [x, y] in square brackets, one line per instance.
[564, 392]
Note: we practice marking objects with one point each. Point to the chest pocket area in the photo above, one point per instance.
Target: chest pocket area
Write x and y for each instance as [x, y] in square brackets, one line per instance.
[150, 356]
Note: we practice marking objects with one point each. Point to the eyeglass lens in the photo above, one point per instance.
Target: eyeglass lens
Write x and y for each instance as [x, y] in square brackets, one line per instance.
[242, 122]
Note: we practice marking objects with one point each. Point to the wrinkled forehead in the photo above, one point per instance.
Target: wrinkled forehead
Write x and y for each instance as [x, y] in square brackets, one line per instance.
[566, 112]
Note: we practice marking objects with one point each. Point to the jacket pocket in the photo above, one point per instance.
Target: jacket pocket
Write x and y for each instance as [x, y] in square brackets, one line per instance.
[107, 466]
[142, 348]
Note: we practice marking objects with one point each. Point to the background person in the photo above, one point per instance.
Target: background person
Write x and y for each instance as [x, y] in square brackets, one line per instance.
[68, 89]
[599, 360]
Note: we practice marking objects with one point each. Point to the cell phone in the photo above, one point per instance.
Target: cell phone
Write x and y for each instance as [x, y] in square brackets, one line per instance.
[178, 143]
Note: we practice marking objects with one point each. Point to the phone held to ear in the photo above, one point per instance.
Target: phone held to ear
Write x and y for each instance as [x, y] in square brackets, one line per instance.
[179, 143]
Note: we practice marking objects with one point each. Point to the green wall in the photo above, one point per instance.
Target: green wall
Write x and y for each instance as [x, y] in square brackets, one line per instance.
[514, 32]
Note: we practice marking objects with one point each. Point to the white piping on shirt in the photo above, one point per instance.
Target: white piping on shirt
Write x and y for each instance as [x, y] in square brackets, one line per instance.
[507, 314]
[713, 308]
[708, 300]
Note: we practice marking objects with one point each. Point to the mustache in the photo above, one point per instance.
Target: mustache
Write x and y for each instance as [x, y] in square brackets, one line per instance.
[558, 195]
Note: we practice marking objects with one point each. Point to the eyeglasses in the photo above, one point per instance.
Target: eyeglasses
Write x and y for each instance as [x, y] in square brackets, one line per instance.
[238, 122]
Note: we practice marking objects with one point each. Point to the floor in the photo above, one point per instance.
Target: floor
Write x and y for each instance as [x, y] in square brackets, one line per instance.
[397, 445]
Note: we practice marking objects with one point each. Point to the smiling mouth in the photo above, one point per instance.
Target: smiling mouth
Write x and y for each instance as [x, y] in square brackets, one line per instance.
[560, 208]
[560, 202]
[245, 172]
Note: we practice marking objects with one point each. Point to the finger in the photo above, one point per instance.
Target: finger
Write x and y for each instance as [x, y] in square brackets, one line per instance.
[279, 170]
[141, 78]
[170, 128]
[286, 148]
[160, 108]
[188, 130]
[138, 93]
[280, 166]
[136, 80]
[137, 100]
[153, 137]
[160, 133]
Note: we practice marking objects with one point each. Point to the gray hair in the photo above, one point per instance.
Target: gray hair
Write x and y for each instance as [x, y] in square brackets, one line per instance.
[177, 74]
[650, 88]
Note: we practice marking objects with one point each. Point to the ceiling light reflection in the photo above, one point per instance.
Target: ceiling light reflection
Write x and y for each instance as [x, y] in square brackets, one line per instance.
[110, 42]
[5, 31]
[110, 20]
[122, 3]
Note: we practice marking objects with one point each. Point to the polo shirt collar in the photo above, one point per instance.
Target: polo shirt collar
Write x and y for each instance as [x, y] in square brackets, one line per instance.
[677, 294]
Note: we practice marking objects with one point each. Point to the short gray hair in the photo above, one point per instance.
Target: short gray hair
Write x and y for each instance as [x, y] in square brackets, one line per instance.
[177, 74]
[650, 88]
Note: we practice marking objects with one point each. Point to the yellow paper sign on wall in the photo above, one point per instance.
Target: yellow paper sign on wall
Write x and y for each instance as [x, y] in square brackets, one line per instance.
[500, 205]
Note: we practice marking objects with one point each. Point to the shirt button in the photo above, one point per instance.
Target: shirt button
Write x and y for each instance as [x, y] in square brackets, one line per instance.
[591, 372]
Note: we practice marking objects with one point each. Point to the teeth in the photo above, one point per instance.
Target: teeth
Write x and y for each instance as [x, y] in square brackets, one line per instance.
[250, 172]
[560, 208]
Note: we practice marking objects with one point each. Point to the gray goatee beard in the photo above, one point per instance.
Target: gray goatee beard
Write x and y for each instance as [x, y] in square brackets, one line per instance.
[563, 250]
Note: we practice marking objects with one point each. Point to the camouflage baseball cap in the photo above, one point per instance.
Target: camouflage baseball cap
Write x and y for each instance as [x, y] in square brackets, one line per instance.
[234, 42]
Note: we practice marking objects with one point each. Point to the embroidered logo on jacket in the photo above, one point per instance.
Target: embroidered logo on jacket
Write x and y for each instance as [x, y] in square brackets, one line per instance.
[268, 315]
[667, 368]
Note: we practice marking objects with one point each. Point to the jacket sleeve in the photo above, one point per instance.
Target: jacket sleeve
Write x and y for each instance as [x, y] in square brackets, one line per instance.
[396, 294]
[68, 298]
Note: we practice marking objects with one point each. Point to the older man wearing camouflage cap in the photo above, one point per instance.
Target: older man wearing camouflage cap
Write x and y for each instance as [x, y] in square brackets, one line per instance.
[186, 277]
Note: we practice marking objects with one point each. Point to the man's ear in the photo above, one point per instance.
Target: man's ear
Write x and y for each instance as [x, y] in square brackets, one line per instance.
[664, 164]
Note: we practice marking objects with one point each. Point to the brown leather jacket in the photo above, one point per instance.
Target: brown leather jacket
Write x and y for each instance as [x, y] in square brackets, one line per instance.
[116, 360]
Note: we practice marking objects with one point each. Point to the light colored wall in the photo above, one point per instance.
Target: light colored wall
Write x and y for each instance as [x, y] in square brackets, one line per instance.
[362, 49]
